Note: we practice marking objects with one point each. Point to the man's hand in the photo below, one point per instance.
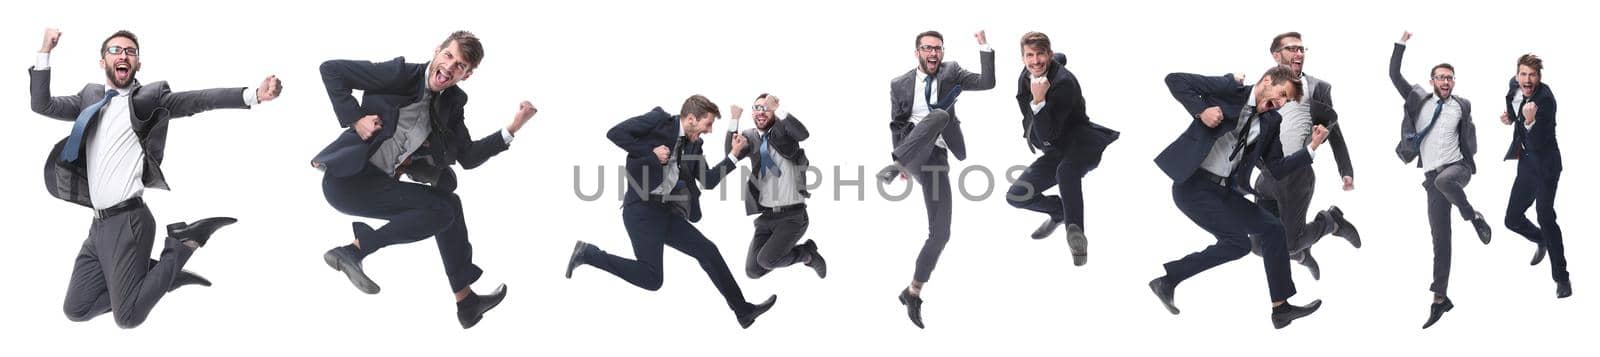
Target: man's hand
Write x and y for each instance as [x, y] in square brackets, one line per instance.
[1505, 118]
[368, 125]
[1238, 77]
[735, 112]
[738, 143]
[663, 153]
[1349, 183]
[525, 112]
[1319, 134]
[1405, 37]
[269, 89]
[51, 37]
[1039, 86]
[982, 39]
[1211, 117]
[1530, 110]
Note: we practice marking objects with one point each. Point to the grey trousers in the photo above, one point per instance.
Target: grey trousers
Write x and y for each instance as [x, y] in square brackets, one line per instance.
[917, 147]
[934, 177]
[776, 242]
[1290, 199]
[114, 273]
[1446, 187]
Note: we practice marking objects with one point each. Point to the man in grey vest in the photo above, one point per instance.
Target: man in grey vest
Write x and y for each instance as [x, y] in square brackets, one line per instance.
[776, 190]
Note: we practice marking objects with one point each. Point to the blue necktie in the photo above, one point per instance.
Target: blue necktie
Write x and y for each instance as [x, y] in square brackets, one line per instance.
[927, 92]
[75, 142]
[1424, 133]
[766, 159]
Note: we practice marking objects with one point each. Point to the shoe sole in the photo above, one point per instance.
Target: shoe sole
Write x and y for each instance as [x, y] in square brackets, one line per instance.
[356, 277]
[502, 290]
[572, 261]
[1079, 244]
[1170, 307]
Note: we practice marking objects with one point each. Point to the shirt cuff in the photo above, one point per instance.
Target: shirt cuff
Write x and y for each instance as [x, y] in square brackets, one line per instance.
[506, 134]
[250, 97]
[1037, 107]
[1311, 153]
[780, 114]
[731, 158]
[985, 48]
[43, 63]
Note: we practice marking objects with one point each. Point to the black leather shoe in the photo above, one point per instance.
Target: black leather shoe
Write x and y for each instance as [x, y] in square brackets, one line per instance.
[1046, 229]
[1311, 264]
[913, 305]
[470, 310]
[1437, 310]
[1563, 289]
[1482, 226]
[1164, 291]
[343, 258]
[816, 261]
[1079, 244]
[186, 277]
[199, 231]
[1538, 255]
[578, 250]
[1343, 228]
[888, 174]
[1283, 317]
[749, 317]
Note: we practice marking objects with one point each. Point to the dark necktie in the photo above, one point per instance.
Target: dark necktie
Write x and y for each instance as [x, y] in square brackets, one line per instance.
[766, 159]
[1244, 136]
[75, 142]
[1437, 109]
[677, 159]
[927, 91]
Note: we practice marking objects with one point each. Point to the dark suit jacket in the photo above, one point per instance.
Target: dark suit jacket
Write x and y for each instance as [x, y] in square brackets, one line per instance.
[386, 87]
[1063, 123]
[150, 108]
[639, 136]
[784, 137]
[1540, 141]
[903, 89]
[1183, 157]
[1416, 96]
[1322, 113]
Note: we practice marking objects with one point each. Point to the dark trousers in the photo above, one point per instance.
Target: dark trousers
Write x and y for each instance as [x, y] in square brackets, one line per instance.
[1289, 198]
[414, 211]
[652, 226]
[1446, 188]
[934, 177]
[114, 273]
[1535, 188]
[776, 242]
[1051, 170]
[1232, 219]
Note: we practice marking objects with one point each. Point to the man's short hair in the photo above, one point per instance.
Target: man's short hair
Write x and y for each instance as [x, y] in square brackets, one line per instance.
[1036, 39]
[698, 105]
[120, 33]
[1277, 41]
[929, 33]
[1281, 74]
[471, 47]
[1532, 61]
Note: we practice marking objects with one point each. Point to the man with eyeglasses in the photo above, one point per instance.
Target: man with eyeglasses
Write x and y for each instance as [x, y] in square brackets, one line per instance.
[410, 122]
[1531, 113]
[114, 152]
[1233, 128]
[1055, 120]
[776, 190]
[1438, 133]
[924, 131]
[1290, 197]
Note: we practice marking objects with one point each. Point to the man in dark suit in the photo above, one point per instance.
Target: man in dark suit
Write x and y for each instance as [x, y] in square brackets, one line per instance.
[1055, 120]
[665, 161]
[409, 123]
[1437, 132]
[1233, 127]
[1290, 197]
[924, 131]
[1533, 145]
[113, 153]
[777, 189]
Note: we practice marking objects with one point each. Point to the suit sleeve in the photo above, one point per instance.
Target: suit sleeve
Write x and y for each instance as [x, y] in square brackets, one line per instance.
[1195, 91]
[475, 153]
[627, 134]
[1285, 164]
[1399, 80]
[61, 108]
[340, 77]
[710, 176]
[1543, 133]
[1322, 112]
[189, 103]
[978, 81]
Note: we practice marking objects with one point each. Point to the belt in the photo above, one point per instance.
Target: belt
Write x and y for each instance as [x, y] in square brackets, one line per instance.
[119, 208]
[782, 209]
[1212, 178]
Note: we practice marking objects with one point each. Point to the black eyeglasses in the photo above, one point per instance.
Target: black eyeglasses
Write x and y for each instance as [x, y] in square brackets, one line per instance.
[1300, 49]
[930, 48]
[1444, 78]
[130, 51]
[761, 108]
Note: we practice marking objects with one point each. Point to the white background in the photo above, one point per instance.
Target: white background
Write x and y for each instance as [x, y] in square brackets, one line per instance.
[588, 65]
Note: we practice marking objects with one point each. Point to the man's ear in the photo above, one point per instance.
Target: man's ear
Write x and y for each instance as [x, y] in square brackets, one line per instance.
[465, 76]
